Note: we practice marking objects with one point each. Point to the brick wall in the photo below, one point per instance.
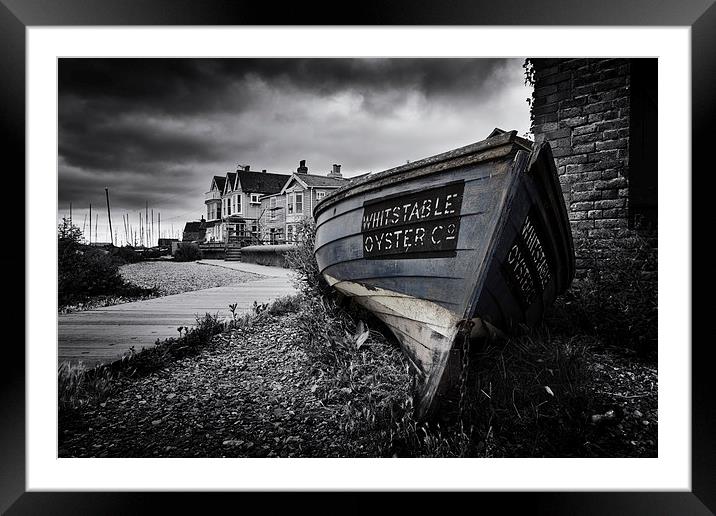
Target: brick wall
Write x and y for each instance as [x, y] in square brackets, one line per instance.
[582, 107]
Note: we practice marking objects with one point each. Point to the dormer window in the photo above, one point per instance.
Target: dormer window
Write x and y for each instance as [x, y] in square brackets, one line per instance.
[255, 198]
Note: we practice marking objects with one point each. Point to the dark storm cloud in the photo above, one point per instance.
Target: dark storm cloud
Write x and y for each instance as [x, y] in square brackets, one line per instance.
[156, 130]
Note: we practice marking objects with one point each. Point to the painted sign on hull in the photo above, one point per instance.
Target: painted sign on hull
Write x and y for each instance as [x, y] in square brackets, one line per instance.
[424, 224]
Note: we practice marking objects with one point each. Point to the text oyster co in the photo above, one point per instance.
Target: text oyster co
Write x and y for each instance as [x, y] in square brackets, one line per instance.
[423, 230]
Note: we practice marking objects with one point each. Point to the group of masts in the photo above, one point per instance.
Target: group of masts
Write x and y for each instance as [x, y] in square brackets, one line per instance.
[141, 236]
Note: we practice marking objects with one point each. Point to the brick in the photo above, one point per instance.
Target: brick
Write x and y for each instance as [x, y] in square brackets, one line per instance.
[590, 195]
[583, 186]
[563, 132]
[581, 206]
[571, 160]
[602, 233]
[597, 107]
[558, 96]
[610, 194]
[544, 110]
[613, 134]
[578, 215]
[582, 139]
[582, 149]
[611, 184]
[561, 152]
[543, 128]
[610, 173]
[570, 112]
[560, 142]
[581, 168]
[609, 155]
[610, 74]
[555, 78]
[541, 73]
[543, 91]
[609, 223]
[584, 129]
[622, 102]
[542, 119]
[581, 224]
[571, 102]
[594, 214]
[583, 90]
[615, 213]
[595, 117]
[606, 95]
[572, 64]
[619, 123]
[574, 121]
[611, 144]
[610, 204]
[610, 84]
[623, 192]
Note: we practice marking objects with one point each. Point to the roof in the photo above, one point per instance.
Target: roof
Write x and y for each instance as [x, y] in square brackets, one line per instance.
[220, 182]
[312, 181]
[231, 177]
[261, 182]
[324, 181]
[194, 227]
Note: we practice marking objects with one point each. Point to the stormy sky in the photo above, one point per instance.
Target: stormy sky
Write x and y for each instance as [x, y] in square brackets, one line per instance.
[157, 130]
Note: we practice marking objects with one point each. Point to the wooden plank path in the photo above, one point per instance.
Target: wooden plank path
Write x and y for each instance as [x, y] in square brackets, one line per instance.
[105, 334]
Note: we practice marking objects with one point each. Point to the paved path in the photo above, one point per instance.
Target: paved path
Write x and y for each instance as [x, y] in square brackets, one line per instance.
[272, 272]
[105, 334]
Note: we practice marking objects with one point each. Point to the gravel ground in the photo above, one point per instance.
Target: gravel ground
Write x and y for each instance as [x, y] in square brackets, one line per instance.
[176, 277]
[254, 393]
[168, 277]
[250, 394]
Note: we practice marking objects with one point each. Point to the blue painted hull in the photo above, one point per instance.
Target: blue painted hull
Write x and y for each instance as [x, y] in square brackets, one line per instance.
[476, 237]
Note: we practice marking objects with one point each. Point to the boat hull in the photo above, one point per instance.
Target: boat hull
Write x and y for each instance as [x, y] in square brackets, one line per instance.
[478, 234]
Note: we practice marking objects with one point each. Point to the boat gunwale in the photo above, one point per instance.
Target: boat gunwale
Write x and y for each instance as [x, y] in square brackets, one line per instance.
[478, 149]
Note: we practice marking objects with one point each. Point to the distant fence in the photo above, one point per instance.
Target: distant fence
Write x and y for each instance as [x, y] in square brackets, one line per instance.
[266, 254]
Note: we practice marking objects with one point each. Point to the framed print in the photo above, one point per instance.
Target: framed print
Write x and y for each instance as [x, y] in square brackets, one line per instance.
[463, 169]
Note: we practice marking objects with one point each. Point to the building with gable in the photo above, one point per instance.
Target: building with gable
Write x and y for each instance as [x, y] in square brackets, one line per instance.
[248, 206]
[233, 203]
[299, 195]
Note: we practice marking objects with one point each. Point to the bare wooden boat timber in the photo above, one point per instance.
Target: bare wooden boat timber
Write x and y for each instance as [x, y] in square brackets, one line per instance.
[460, 244]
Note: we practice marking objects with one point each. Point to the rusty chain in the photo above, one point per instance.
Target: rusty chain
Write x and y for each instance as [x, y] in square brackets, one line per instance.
[465, 326]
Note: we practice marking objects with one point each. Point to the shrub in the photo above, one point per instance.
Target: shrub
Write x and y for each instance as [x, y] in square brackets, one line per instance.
[188, 253]
[84, 272]
[617, 301]
[301, 259]
[126, 254]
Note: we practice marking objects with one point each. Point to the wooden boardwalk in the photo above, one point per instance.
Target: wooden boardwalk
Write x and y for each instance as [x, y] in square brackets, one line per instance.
[105, 334]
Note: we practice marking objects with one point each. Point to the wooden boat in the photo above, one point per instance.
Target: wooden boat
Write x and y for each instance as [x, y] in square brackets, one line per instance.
[465, 243]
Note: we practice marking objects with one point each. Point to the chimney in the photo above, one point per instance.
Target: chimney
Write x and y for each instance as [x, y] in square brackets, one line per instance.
[263, 171]
[302, 168]
[246, 168]
[336, 172]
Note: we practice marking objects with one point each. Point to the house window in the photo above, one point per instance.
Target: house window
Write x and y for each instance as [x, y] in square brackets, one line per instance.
[320, 195]
[289, 233]
[299, 202]
[272, 209]
[228, 206]
[289, 203]
[237, 203]
[223, 207]
[255, 198]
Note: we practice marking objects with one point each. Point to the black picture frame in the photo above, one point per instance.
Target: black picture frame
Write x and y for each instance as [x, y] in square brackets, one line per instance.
[17, 15]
